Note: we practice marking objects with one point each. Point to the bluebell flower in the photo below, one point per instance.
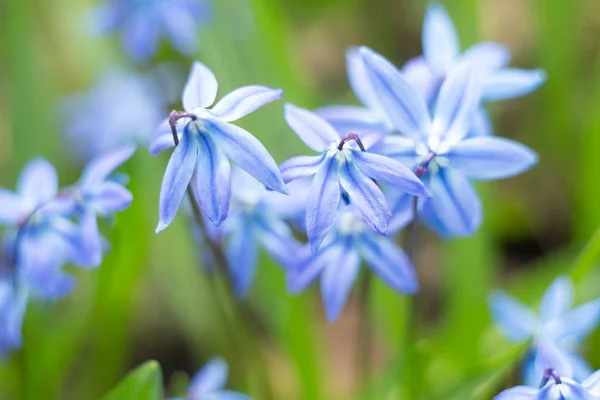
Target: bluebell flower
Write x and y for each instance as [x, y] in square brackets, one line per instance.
[342, 166]
[437, 144]
[120, 109]
[555, 387]
[206, 141]
[337, 262]
[555, 332]
[143, 22]
[208, 384]
[13, 303]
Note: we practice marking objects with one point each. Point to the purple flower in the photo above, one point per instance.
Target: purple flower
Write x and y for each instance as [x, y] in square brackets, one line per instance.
[13, 303]
[206, 143]
[349, 242]
[437, 143]
[208, 384]
[342, 168]
[143, 22]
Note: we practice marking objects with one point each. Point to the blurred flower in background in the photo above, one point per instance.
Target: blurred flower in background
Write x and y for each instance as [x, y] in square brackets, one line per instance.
[13, 301]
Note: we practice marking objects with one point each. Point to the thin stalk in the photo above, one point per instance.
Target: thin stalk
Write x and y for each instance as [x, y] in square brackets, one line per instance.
[364, 338]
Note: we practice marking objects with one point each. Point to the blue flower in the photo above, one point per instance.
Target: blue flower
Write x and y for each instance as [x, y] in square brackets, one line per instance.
[338, 261]
[121, 109]
[13, 303]
[341, 167]
[143, 22]
[555, 387]
[206, 141]
[208, 384]
[438, 145]
[555, 332]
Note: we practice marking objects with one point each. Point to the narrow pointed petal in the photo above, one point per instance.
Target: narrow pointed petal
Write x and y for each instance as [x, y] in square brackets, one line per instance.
[176, 180]
[457, 103]
[487, 55]
[101, 167]
[359, 79]
[213, 180]
[211, 378]
[418, 73]
[180, 26]
[366, 196]
[90, 242]
[226, 395]
[491, 158]
[12, 209]
[353, 119]
[516, 321]
[390, 172]
[242, 254]
[277, 239]
[482, 125]
[201, 88]
[299, 167]
[312, 129]
[109, 197]
[557, 299]
[38, 182]
[323, 201]
[592, 383]
[440, 40]
[399, 148]
[247, 152]
[401, 209]
[312, 265]
[391, 264]
[578, 323]
[518, 393]
[140, 37]
[403, 105]
[509, 83]
[243, 101]
[337, 281]
[163, 138]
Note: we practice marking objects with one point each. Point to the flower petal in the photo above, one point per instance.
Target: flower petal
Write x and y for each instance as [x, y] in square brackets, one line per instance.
[401, 209]
[390, 263]
[509, 83]
[487, 55]
[177, 178]
[592, 383]
[242, 253]
[163, 138]
[518, 393]
[323, 201]
[38, 182]
[359, 79]
[491, 157]
[180, 26]
[514, 320]
[97, 170]
[440, 40]
[299, 167]
[578, 323]
[301, 275]
[211, 378]
[355, 119]
[109, 197]
[390, 172]
[337, 280]
[312, 129]
[12, 209]
[399, 148]
[201, 88]
[403, 105]
[243, 101]
[140, 36]
[213, 180]
[365, 195]
[557, 299]
[225, 395]
[247, 152]
[277, 239]
[482, 125]
[418, 73]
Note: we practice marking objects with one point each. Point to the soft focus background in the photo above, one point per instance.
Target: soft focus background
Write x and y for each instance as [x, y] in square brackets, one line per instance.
[151, 299]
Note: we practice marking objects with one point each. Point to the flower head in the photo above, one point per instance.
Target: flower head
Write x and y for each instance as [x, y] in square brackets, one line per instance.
[143, 22]
[342, 167]
[338, 260]
[207, 141]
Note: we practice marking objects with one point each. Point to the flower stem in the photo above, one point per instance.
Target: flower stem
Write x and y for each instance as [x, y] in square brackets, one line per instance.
[364, 339]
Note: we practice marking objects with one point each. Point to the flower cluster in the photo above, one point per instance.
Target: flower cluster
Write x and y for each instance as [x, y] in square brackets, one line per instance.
[47, 228]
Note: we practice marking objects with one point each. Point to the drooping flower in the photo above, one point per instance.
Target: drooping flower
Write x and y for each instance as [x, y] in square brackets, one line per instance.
[342, 168]
[555, 387]
[555, 332]
[13, 303]
[439, 146]
[121, 109]
[337, 262]
[143, 22]
[206, 141]
[208, 384]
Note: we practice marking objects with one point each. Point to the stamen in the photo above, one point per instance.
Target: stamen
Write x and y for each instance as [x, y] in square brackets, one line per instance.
[550, 373]
[422, 168]
[173, 118]
[351, 136]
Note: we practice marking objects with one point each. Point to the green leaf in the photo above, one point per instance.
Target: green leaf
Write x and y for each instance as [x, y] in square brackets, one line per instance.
[144, 383]
[587, 259]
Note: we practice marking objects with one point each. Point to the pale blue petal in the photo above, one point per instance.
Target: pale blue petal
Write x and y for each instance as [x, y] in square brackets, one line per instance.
[487, 55]
[314, 131]
[337, 281]
[354, 119]
[403, 105]
[101, 167]
[247, 152]
[177, 178]
[109, 197]
[103, 18]
[401, 209]
[323, 200]
[38, 182]
[568, 389]
[578, 323]
[243, 101]
[482, 125]
[581, 369]
[242, 253]
[557, 299]
[310, 266]
[277, 239]
[225, 395]
[365, 195]
[518, 393]
[299, 167]
[549, 354]
[515, 320]
[390, 172]
[418, 73]
[390, 263]
[213, 180]
[457, 103]
[509, 83]
[359, 79]
[89, 254]
[12, 209]
[180, 26]
[440, 40]
[399, 148]
[592, 383]
[200, 89]
[140, 36]
[211, 378]
[491, 157]
[163, 138]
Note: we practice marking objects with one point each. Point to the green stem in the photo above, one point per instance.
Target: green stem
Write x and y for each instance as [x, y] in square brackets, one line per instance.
[364, 338]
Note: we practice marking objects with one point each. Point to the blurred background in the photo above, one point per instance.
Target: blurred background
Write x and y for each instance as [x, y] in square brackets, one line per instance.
[151, 298]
